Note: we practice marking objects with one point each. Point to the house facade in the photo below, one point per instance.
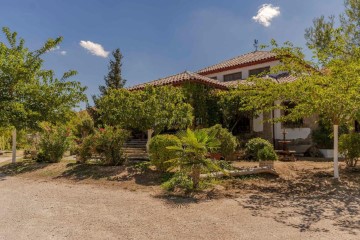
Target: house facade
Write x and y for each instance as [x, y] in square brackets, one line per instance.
[229, 74]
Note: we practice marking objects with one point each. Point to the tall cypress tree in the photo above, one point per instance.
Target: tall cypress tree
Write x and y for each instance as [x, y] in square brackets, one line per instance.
[113, 79]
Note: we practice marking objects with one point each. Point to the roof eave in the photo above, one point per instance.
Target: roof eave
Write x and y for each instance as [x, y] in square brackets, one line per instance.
[237, 66]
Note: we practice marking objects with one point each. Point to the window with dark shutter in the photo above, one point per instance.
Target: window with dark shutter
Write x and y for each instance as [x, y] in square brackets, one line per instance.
[233, 77]
[259, 71]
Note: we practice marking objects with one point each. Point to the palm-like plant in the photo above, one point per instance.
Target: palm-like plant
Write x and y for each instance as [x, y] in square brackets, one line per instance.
[192, 153]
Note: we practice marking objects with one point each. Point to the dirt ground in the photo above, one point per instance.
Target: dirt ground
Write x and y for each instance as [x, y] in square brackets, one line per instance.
[70, 201]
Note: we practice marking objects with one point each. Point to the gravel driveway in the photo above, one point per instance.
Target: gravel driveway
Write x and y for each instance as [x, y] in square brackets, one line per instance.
[32, 209]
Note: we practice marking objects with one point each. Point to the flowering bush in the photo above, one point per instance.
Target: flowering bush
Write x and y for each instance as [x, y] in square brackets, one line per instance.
[54, 141]
[109, 143]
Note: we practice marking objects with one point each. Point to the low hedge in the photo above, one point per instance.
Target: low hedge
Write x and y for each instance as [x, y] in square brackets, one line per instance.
[158, 152]
[228, 141]
[259, 149]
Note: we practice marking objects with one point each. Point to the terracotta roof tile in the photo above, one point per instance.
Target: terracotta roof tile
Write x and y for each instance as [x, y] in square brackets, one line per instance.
[179, 79]
[240, 61]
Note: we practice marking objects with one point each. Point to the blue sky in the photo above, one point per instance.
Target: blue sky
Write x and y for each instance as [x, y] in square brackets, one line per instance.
[158, 37]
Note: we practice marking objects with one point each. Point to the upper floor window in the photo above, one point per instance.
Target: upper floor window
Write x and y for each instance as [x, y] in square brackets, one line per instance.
[233, 77]
[215, 78]
[259, 71]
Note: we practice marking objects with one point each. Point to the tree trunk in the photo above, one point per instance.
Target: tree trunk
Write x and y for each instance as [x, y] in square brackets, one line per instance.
[149, 134]
[14, 146]
[336, 152]
[195, 176]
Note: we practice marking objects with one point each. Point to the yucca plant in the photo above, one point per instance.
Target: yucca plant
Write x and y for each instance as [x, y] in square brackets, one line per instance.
[192, 154]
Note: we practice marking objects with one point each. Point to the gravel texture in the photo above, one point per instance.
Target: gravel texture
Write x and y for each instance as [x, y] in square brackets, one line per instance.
[35, 209]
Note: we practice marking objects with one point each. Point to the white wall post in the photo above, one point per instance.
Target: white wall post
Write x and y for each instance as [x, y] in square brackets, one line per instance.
[336, 152]
[14, 146]
[149, 134]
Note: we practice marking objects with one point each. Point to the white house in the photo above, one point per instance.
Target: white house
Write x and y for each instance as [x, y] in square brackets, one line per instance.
[231, 72]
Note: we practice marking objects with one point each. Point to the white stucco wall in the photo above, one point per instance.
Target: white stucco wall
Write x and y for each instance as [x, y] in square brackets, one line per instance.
[258, 124]
[244, 70]
[292, 133]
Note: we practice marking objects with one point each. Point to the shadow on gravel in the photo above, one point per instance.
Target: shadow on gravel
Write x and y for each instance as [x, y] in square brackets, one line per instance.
[303, 203]
[147, 178]
[78, 172]
[13, 169]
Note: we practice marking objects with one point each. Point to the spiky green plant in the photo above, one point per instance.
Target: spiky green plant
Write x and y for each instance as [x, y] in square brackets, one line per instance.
[192, 155]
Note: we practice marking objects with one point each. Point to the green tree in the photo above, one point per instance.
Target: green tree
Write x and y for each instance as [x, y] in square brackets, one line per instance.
[28, 93]
[328, 86]
[153, 109]
[114, 79]
[192, 154]
[320, 37]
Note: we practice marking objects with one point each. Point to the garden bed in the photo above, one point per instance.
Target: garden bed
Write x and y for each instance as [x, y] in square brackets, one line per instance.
[136, 178]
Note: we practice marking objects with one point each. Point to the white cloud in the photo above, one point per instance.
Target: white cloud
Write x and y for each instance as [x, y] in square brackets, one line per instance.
[94, 48]
[63, 53]
[266, 13]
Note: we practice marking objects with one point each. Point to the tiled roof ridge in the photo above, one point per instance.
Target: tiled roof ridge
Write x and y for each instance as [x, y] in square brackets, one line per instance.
[183, 76]
[222, 64]
[242, 55]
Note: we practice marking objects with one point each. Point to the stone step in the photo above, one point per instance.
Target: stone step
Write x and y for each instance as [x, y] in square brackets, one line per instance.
[135, 146]
[137, 141]
[135, 149]
[138, 157]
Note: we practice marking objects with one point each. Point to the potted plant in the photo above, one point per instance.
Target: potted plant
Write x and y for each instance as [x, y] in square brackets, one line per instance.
[266, 157]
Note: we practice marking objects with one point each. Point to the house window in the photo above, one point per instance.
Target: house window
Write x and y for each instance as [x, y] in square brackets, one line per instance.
[357, 126]
[233, 77]
[291, 123]
[215, 78]
[259, 71]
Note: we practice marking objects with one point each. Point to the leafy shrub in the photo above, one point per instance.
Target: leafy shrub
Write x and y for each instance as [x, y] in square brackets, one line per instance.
[323, 135]
[225, 165]
[253, 147]
[159, 154]
[84, 127]
[142, 167]
[5, 138]
[109, 144]
[267, 154]
[54, 141]
[349, 146]
[179, 180]
[228, 142]
[85, 149]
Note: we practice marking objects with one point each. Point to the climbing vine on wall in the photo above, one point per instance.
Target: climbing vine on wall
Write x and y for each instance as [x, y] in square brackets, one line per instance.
[205, 103]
